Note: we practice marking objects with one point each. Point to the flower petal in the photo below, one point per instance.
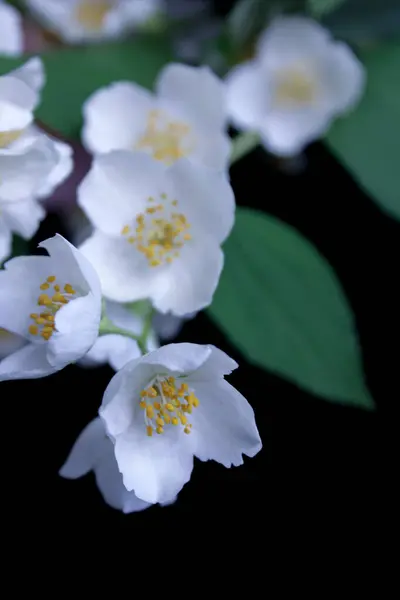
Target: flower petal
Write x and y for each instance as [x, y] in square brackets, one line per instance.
[90, 446]
[189, 283]
[11, 34]
[29, 362]
[77, 328]
[345, 78]
[155, 468]
[9, 343]
[124, 317]
[178, 358]
[292, 38]
[248, 94]
[197, 90]
[23, 217]
[124, 272]
[224, 427]
[211, 149]
[205, 196]
[114, 349]
[5, 239]
[117, 187]
[32, 74]
[286, 133]
[115, 116]
[61, 170]
[217, 365]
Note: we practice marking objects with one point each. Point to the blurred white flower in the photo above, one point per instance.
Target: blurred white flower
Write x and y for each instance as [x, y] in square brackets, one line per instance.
[298, 82]
[78, 21]
[170, 405]
[186, 117]
[22, 176]
[158, 229]
[31, 163]
[94, 451]
[54, 302]
[11, 32]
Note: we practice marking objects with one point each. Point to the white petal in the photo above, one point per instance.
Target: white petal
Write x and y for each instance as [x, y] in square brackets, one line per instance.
[248, 94]
[217, 365]
[77, 328]
[5, 240]
[286, 133]
[89, 447]
[11, 33]
[292, 39]
[29, 362]
[206, 198]
[114, 349]
[110, 484]
[32, 74]
[211, 149]
[23, 174]
[17, 101]
[124, 272]
[19, 283]
[224, 427]
[60, 171]
[345, 78]
[23, 217]
[117, 187]
[188, 285]
[178, 358]
[132, 503]
[74, 263]
[124, 317]
[9, 343]
[167, 326]
[115, 116]
[155, 468]
[196, 90]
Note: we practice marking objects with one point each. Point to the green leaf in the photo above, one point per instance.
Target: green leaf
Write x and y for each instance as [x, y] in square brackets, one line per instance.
[75, 73]
[280, 302]
[368, 140]
[359, 21]
[320, 8]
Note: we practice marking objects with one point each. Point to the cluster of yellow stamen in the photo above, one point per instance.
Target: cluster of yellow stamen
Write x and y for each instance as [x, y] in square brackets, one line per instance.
[52, 299]
[294, 85]
[159, 232]
[8, 137]
[91, 13]
[165, 402]
[166, 140]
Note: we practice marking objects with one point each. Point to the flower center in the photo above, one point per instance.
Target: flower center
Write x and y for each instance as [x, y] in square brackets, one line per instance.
[44, 322]
[159, 232]
[166, 140]
[165, 402]
[91, 13]
[8, 137]
[294, 85]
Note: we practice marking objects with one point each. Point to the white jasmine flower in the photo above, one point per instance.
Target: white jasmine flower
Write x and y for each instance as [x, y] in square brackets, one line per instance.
[170, 405]
[11, 32]
[159, 229]
[54, 302]
[94, 451]
[31, 163]
[298, 82]
[185, 117]
[79, 21]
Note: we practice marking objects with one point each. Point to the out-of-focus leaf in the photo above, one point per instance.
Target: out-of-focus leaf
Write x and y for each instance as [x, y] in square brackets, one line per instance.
[75, 73]
[368, 140]
[359, 21]
[320, 8]
[280, 302]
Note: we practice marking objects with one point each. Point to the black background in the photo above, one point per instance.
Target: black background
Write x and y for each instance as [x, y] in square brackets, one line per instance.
[323, 467]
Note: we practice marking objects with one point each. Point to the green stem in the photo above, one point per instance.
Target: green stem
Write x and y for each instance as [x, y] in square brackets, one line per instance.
[107, 327]
[243, 144]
